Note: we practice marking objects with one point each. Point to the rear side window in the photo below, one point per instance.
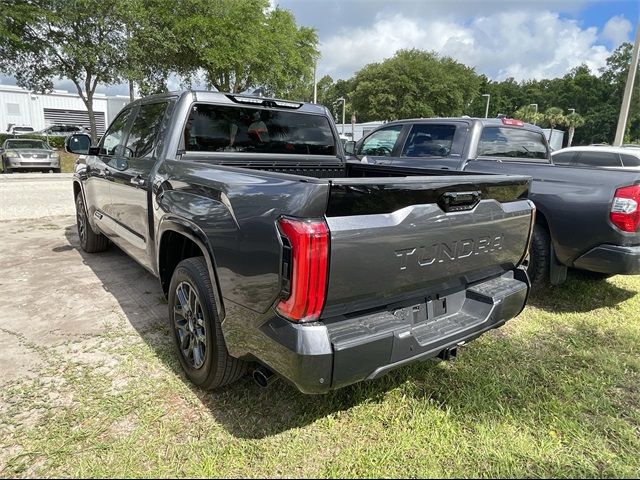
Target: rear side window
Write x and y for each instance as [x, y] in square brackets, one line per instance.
[508, 142]
[599, 159]
[216, 128]
[630, 160]
[564, 158]
[429, 141]
[145, 129]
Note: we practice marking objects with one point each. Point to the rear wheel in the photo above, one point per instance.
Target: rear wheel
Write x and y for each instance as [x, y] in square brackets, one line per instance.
[539, 257]
[90, 241]
[197, 333]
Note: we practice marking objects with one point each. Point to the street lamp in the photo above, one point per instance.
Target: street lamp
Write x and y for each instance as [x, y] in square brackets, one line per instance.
[536, 114]
[486, 112]
[341, 99]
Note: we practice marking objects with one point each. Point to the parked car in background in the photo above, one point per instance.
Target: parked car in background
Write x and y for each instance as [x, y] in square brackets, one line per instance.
[19, 130]
[587, 218]
[60, 130]
[598, 156]
[28, 154]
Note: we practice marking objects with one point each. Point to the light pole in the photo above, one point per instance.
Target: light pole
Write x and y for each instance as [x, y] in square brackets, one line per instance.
[341, 99]
[536, 114]
[486, 111]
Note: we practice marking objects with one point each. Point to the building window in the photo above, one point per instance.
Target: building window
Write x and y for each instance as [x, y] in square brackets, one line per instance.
[13, 109]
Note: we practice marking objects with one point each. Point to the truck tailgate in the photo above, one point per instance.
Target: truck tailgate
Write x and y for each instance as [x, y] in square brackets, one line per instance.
[397, 238]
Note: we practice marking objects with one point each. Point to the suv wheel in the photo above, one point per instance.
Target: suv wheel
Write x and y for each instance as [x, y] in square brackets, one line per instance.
[197, 333]
[90, 241]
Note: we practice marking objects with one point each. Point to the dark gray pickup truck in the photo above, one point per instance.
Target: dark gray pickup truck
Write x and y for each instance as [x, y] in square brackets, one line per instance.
[587, 218]
[272, 250]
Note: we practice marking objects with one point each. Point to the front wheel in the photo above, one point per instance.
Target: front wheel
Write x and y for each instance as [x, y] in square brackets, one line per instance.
[196, 329]
[90, 241]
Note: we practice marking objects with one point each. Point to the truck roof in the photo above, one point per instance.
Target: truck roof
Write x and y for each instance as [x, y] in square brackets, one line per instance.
[238, 99]
[470, 120]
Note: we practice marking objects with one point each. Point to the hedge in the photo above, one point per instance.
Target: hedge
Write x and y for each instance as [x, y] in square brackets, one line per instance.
[54, 141]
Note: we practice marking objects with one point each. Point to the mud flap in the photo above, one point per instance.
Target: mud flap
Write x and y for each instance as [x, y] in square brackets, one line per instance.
[557, 271]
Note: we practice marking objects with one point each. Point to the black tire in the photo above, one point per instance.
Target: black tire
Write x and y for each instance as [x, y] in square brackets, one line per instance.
[90, 241]
[539, 257]
[56, 170]
[217, 368]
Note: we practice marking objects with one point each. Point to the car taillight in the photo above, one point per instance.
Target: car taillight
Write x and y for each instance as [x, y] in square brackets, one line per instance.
[625, 213]
[305, 268]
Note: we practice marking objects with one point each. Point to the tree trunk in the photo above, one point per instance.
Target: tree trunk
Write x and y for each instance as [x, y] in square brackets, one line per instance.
[131, 97]
[92, 119]
[572, 130]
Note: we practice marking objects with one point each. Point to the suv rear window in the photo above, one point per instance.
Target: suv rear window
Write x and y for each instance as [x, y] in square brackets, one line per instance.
[216, 128]
[512, 143]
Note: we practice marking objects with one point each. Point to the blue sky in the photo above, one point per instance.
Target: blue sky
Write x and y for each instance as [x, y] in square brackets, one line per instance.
[501, 38]
[524, 39]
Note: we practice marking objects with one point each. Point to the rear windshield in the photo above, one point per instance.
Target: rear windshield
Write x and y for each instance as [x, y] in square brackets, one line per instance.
[215, 128]
[16, 144]
[512, 143]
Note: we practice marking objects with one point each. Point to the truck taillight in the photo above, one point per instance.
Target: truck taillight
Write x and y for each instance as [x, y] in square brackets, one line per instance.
[625, 213]
[305, 268]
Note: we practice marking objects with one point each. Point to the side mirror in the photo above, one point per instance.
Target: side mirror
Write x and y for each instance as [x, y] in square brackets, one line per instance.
[350, 147]
[79, 143]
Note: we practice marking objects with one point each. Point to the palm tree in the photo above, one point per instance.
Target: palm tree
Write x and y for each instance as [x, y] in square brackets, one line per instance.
[573, 120]
[527, 114]
[554, 116]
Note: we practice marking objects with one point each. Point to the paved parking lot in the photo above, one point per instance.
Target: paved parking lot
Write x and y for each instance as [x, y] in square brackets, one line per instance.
[55, 299]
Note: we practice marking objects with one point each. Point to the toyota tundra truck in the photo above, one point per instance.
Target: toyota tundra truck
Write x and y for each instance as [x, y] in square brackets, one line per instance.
[277, 255]
[587, 218]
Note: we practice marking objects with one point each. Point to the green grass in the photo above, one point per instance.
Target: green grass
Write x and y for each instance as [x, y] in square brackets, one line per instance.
[555, 393]
[67, 161]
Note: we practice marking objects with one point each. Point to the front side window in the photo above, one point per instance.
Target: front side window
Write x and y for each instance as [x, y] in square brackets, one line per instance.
[144, 130]
[381, 143]
[217, 128]
[113, 139]
[506, 142]
[599, 159]
[429, 141]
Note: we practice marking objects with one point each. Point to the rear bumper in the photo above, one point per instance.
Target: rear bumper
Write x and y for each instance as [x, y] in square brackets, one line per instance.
[612, 259]
[331, 354]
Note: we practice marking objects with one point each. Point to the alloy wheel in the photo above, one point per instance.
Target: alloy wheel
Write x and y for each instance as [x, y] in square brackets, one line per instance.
[189, 324]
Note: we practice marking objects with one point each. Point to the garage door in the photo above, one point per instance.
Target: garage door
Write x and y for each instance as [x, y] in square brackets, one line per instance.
[73, 117]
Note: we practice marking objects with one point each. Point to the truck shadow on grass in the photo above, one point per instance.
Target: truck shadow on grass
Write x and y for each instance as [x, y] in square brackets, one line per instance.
[462, 387]
[580, 293]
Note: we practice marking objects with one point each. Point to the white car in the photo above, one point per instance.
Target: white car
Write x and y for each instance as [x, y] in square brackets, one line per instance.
[598, 156]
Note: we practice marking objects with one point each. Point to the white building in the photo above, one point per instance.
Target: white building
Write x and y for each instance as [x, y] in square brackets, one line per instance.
[29, 109]
[357, 131]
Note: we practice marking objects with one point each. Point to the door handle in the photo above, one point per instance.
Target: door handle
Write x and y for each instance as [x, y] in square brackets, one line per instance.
[138, 181]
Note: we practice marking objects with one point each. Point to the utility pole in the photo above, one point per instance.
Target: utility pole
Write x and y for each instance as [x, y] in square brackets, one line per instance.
[486, 112]
[536, 114]
[341, 99]
[628, 91]
[315, 85]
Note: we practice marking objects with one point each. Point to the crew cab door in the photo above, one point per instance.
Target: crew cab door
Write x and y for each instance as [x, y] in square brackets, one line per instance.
[131, 187]
[100, 171]
[379, 147]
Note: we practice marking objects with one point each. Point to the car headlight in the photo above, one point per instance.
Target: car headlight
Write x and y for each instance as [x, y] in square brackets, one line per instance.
[55, 155]
[11, 154]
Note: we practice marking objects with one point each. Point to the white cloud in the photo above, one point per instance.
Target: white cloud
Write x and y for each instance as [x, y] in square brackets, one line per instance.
[520, 44]
[617, 30]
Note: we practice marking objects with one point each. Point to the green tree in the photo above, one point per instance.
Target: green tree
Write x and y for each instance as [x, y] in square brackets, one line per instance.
[42, 40]
[528, 114]
[573, 120]
[413, 83]
[243, 44]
